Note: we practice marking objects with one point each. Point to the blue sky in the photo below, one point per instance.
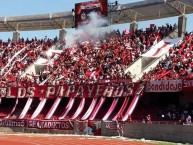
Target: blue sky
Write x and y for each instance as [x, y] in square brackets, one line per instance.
[31, 7]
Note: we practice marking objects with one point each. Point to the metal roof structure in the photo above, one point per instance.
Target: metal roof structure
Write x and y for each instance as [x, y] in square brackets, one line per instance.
[37, 22]
[151, 9]
[126, 13]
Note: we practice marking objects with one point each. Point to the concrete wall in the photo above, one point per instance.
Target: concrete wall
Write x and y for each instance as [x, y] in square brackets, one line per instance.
[62, 37]
[173, 35]
[151, 65]
[146, 61]
[29, 130]
[161, 132]
[133, 26]
[11, 129]
[135, 68]
[182, 20]
[16, 36]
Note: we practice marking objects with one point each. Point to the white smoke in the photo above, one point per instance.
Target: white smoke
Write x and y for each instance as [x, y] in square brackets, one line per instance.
[95, 28]
[95, 21]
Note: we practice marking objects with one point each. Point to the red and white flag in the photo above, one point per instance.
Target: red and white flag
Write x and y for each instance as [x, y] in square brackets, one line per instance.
[126, 31]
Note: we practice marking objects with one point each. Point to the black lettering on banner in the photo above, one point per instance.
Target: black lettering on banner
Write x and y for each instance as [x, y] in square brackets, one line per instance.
[165, 85]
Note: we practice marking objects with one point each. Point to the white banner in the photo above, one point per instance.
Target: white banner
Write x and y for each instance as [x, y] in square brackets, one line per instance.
[164, 86]
[115, 125]
[42, 61]
[162, 47]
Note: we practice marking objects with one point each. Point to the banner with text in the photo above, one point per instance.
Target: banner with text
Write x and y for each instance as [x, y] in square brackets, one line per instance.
[187, 84]
[164, 86]
[89, 91]
[50, 124]
[12, 123]
[115, 125]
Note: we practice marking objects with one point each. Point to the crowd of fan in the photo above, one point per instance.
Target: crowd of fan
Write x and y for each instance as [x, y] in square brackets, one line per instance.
[182, 114]
[178, 65]
[104, 58]
[85, 61]
[16, 57]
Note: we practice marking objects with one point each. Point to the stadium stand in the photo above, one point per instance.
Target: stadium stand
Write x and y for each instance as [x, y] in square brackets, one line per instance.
[18, 56]
[47, 86]
[177, 65]
[85, 61]
[120, 53]
[88, 62]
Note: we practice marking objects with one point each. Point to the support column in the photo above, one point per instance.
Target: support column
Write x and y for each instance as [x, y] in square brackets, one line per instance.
[133, 26]
[182, 20]
[16, 36]
[62, 37]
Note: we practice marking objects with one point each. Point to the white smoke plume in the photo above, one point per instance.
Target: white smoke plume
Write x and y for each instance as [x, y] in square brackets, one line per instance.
[95, 21]
[94, 28]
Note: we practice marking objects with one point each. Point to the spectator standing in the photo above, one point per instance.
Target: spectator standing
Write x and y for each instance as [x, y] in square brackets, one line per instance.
[88, 128]
[189, 120]
[148, 119]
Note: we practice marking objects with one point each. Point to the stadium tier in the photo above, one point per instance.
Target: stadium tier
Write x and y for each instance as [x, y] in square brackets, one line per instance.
[88, 62]
[103, 79]
[177, 65]
[18, 56]
[83, 62]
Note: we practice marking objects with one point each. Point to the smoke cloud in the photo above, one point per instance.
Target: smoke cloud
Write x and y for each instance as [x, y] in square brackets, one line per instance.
[95, 21]
[96, 27]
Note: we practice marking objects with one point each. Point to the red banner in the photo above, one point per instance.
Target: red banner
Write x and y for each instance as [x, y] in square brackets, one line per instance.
[90, 91]
[120, 88]
[187, 84]
[83, 10]
[50, 124]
